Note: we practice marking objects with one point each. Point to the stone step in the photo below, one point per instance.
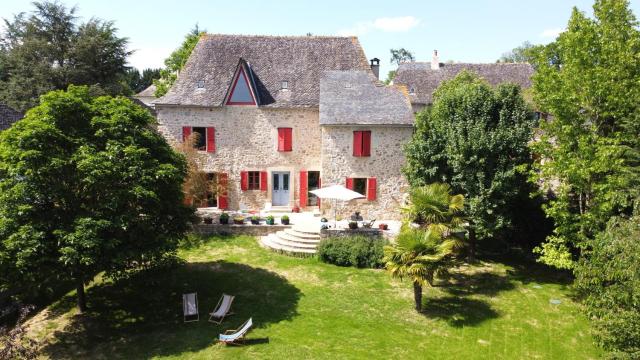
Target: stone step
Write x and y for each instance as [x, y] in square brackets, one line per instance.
[266, 241]
[306, 228]
[284, 236]
[302, 235]
[292, 244]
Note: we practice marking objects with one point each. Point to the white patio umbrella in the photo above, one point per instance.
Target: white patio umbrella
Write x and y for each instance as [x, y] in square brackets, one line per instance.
[336, 192]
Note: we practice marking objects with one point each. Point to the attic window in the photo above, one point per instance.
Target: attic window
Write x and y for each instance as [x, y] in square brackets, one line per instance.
[412, 91]
[347, 85]
[284, 85]
[200, 84]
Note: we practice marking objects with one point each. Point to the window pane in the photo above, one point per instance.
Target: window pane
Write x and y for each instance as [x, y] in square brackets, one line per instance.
[201, 141]
[276, 182]
[241, 92]
[360, 186]
[254, 180]
[285, 181]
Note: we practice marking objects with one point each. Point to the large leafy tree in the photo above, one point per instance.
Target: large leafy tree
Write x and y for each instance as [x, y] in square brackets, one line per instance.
[588, 81]
[176, 61]
[48, 50]
[398, 56]
[474, 137]
[609, 281]
[524, 53]
[86, 185]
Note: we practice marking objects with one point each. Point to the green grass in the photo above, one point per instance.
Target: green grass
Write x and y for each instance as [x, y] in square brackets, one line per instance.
[306, 309]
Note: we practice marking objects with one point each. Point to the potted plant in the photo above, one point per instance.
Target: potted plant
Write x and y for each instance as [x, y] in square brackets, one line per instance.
[324, 220]
[270, 220]
[255, 220]
[353, 225]
[238, 220]
[284, 220]
[207, 219]
[383, 226]
[224, 218]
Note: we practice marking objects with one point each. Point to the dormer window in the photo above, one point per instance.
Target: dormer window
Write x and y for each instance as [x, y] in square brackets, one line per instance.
[200, 84]
[347, 85]
[284, 85]
[412, 91]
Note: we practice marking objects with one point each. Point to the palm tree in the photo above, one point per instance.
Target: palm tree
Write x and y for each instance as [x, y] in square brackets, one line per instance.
[433, 206]
[420, 255]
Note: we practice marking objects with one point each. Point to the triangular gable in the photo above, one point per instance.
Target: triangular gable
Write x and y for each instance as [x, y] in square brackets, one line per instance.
[242, 89]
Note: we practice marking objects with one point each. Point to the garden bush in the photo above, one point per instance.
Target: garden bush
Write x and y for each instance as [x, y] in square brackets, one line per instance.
[359, 251]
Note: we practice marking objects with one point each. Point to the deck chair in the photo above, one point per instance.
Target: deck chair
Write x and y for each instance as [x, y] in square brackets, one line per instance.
[368, 225]
[235, 337]
[222, 309]
[190, 307]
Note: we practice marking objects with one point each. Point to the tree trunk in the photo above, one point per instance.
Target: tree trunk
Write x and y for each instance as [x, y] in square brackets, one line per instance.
[81, 298]
[472, 244]
[417, 295]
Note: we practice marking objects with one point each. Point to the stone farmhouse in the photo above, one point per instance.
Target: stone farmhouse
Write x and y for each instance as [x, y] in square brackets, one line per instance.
[421, 79]
[281, 116]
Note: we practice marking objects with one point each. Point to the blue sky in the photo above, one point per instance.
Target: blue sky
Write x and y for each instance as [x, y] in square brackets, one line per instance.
[461, 30]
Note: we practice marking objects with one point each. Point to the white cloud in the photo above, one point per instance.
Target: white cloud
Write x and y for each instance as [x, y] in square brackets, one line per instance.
[386, 24]
[396, 24]
[551, 33]
[148, 57]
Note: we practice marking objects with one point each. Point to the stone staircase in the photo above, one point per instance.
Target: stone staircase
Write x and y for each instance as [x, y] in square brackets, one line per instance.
[299, 240]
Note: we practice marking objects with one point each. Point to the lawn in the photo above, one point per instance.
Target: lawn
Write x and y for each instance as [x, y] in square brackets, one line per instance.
[303, 308]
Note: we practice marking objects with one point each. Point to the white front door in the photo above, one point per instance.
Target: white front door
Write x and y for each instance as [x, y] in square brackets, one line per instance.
[280, 190]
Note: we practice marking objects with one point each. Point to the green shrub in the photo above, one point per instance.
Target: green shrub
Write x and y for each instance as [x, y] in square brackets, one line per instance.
[608, 278]
[359, 251]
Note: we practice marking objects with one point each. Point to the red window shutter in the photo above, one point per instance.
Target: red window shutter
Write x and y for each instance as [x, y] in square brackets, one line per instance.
[371, 189]
[357, 143]
[288, 139]
[186, 132]
[281, 139]
[366, 143]
[211, 139]
[223, 181]
[244, 180]
[303, 188]
[263, 181]
[350, 183]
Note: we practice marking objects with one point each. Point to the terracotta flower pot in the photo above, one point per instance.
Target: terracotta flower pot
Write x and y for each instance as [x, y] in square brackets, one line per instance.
[383, 226]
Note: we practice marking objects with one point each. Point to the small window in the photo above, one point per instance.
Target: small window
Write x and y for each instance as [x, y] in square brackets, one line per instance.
[254, 180]
[200, 84]
[360, 186]
[201, 141]
[347, 85]
[284, 85]
[412, 91]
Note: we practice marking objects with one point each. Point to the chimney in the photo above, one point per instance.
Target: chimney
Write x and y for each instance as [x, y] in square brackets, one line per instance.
[375, 67]
[435, 61]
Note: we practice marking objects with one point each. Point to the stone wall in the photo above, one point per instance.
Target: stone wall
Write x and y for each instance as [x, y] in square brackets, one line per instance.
[385, 164]
[246, 140]
[327, 233]
[252, 230]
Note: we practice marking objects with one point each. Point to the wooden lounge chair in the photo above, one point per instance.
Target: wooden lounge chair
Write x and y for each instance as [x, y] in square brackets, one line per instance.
[222, 309]
[190, 307]
[235, 337]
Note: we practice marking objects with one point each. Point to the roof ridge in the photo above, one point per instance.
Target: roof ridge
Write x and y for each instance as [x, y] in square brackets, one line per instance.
[281, 36]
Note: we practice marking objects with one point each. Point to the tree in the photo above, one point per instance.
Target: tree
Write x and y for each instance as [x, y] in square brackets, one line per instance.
[420, 255]
[176, 61]
[588, 81]
[433, 206]
[474, 137]
[137, 82]
[48, 50]
[398, 56]
[197, 186]
[524, 53]
[608, 280]
[86, 185]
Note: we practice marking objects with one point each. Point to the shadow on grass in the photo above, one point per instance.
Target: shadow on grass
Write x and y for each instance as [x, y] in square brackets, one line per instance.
[483, 283]
[141, 317]
[458, 311]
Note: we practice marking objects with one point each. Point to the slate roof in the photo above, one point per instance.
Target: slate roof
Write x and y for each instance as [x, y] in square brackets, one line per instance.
[300, 60]
[357, 98]
[8, 116]
[424, 80]
[148, 92]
